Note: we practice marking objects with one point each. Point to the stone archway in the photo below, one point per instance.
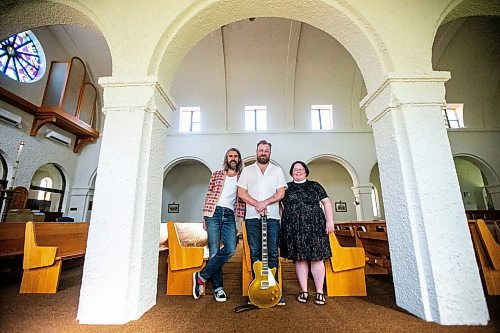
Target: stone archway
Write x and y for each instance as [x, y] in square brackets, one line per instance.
[390, 102]
[340, 21]
[13, 16]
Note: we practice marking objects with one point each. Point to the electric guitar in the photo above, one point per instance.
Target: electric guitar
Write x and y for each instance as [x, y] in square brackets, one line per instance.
[264, 291]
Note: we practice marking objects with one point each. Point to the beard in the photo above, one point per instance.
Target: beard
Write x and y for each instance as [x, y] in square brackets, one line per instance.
[263, 159]
[232, 165]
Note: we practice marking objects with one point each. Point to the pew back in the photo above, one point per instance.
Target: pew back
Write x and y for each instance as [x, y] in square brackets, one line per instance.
[70, 238]
[46, 245]
[487, 254]
[11, 238]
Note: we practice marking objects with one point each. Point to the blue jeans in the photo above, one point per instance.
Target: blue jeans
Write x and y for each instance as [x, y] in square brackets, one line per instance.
[220, 227]
[254, 237]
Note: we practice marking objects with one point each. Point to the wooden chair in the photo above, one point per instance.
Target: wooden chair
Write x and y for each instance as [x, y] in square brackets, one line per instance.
[42, 263]
[182, 262]
[19, 198]
[345, 273]
[246, 265]
[487, 254]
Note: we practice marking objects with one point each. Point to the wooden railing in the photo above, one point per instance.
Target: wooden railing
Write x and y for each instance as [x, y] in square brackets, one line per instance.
[69, 102]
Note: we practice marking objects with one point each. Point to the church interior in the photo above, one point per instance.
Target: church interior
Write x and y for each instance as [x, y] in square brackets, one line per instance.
[113, 115]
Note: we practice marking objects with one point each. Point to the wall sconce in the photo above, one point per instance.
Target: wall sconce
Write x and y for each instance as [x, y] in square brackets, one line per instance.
[356, 201]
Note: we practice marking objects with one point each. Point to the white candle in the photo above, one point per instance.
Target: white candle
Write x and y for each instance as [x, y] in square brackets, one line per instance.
[16, 164]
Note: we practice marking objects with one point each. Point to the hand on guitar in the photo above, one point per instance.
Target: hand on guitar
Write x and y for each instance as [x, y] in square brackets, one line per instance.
[261, 208]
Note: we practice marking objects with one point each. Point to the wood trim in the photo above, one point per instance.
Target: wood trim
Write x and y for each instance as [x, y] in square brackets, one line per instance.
[17, 101]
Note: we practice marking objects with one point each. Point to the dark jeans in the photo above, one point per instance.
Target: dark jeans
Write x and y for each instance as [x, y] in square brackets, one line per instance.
[254, 237]
[220, 227]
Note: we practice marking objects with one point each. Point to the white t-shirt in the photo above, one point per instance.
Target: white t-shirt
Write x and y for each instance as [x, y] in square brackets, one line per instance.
[261, 186]
[228, 195]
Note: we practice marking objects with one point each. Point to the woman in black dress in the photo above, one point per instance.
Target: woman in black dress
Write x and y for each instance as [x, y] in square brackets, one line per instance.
[305, 228]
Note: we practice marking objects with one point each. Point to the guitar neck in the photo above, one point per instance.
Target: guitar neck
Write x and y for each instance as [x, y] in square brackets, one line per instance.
[265, 265]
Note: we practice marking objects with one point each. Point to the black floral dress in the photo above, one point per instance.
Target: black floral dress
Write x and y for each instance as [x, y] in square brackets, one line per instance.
[303, 223]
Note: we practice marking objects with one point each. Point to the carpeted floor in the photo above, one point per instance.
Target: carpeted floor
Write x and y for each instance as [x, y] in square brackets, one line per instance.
[377, 312]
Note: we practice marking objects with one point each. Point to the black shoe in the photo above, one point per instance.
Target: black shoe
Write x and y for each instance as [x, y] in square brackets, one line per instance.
[220, 295]
[198, 287]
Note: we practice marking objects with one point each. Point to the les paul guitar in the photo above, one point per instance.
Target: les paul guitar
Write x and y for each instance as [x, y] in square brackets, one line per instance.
[264, 291]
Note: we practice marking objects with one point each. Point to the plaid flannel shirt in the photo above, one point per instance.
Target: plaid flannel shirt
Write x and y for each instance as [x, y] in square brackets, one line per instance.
[214, 191]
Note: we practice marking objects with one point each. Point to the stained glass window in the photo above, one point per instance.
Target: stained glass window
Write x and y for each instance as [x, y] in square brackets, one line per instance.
[21, 57]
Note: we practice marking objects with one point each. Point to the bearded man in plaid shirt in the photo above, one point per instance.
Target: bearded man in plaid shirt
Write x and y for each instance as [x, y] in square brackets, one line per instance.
[222, 208]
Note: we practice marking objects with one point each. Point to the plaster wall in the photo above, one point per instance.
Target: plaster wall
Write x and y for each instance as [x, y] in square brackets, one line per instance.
[355, 148]
[471, 184]
[471, 55]
[257, 66]
[203, 71]
[337, 183]
[327, 74]
[38, 151]
[185, 184]
[483, 145]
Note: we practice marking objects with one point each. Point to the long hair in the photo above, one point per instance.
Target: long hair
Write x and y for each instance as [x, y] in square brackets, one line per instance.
[239, 166]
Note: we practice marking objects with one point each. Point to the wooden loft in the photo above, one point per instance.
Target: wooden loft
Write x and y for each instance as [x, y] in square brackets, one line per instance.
[69, 102]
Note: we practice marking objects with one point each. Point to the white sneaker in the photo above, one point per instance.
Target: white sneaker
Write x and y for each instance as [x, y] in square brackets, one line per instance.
[220, 295]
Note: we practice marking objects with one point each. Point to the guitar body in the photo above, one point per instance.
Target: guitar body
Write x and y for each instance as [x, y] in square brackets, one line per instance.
[264, 291]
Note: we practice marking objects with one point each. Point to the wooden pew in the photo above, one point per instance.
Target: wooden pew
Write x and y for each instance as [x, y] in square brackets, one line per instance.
[376, 247]
[182, 262]
[375, 238]
[11, 238]
[487, 255]
[46, 245]
[347, 237]
[11, 250]
[345, 273]
[246, 265]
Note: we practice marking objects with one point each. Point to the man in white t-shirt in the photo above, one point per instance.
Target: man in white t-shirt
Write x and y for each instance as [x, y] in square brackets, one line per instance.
[262, 185]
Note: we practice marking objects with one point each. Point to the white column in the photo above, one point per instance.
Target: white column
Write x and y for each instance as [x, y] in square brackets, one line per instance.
[363, 202]
[120, 270]
[434, 267]
[494, 192]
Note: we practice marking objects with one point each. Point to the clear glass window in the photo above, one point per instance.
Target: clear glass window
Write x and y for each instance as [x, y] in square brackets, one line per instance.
[453, 116]
[375, 203]
[190, 119]
[255, 118]
[321, 117]
[45, 183]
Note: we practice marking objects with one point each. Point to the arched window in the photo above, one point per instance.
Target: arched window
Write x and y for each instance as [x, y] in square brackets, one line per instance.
[45, 183]
[22, 58]
[375, 203]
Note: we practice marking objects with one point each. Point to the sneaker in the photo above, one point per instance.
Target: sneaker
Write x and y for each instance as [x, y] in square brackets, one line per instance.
[220, 295]
[198, 286]
[282, 301]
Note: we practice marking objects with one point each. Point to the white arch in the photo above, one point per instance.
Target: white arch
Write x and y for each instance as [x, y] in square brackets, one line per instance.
[338, 19]
[182, 159]
[13, 18]
[350, 169]
[484, 166]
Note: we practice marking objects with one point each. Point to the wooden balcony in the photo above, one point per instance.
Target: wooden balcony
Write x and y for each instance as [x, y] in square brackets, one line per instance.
[69, 102]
